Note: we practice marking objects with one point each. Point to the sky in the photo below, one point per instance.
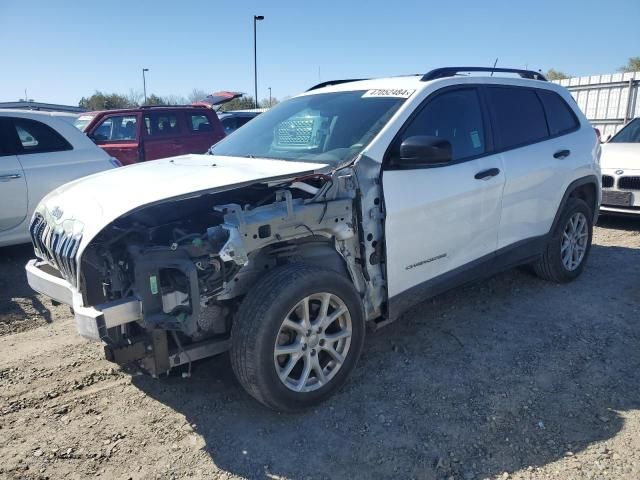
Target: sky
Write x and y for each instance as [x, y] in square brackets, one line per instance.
[61, 50]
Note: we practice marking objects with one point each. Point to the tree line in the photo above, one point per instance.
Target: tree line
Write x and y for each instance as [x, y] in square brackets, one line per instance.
[109, 101]
[632, 65]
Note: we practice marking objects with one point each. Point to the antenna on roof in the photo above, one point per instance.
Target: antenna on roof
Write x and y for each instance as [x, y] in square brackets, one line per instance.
[494, 66]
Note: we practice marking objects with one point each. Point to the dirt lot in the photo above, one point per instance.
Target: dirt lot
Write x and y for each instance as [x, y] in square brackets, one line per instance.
[510, 378]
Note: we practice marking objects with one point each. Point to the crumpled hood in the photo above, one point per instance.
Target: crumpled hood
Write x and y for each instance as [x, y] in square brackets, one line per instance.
[89, 204]
[620, 156]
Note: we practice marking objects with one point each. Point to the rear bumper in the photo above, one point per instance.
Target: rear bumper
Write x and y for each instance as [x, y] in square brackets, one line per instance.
[91, 322]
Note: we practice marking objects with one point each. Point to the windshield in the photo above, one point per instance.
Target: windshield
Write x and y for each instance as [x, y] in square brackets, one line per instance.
[629, 134]
[81, 122]
[325, 128]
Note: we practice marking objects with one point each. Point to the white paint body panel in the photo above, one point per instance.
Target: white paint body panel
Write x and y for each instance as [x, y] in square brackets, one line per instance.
[625, 158]
[96, 201]
[439, 219]
[536, 183]
[41, 173]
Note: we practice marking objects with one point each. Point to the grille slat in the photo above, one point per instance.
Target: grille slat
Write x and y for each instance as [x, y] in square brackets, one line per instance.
[607, 181]
[56, 247]
[629, 183]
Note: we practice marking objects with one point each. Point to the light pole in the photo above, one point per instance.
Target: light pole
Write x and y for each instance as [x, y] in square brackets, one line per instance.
[144, 84]
[256, 18]
[269, 97]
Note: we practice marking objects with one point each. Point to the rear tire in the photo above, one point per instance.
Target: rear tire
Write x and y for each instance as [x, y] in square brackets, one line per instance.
[568, 249]
[297, 336]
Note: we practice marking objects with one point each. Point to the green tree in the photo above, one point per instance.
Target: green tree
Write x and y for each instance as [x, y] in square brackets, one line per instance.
[633, 65]
[102, 101]
[242, 103]
[154, 99]
[556, 75]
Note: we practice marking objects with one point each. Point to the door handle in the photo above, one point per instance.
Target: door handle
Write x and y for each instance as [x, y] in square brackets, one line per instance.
[10, 176]
[560, 154]
[487, 174]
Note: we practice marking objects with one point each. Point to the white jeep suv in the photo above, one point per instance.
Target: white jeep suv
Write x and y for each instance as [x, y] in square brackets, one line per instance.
[340, 207]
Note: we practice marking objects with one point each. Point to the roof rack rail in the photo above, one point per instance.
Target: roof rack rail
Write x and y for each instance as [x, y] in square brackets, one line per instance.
[334, 82]
[164, 106]
[451, 71]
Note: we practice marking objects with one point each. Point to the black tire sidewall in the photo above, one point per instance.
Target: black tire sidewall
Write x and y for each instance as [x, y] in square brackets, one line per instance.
[574, 205]
[268, 382]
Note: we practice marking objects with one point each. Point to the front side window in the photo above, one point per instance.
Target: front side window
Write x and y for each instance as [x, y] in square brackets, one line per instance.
[560, 117]
[199, 123]
[455, 116]
[161, 124]
[36, 137]
[518, 117]
[116, 128]
[629, 134]
[325, 127]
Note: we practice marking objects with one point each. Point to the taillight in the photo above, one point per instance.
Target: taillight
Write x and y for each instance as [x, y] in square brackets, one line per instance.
[115, 162]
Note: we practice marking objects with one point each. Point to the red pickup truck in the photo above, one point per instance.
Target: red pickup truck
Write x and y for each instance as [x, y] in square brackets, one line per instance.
[148, 133]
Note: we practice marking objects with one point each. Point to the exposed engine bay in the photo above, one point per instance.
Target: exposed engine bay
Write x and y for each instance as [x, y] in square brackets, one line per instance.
[189, 261]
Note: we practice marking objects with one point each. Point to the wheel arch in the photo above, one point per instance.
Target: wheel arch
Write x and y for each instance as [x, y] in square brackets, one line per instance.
[584, 188]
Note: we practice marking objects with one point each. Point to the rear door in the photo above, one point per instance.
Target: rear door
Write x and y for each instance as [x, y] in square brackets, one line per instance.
[163, 134]
[13, 186]
[538, 158]
[203, 131]
[441, 219]
[119, 136]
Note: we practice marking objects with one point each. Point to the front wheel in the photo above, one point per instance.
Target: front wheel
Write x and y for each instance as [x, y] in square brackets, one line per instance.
[566, 253]
[298, 334]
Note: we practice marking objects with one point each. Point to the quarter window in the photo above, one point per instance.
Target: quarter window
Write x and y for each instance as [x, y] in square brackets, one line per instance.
[560, 117]
[116, 128]
[199, 123]
[518, 117]
[455, 116]
[36, 137]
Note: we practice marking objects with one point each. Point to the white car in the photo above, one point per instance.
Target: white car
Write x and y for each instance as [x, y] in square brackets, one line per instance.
[343, 206]
[621, 171]
[39, 151]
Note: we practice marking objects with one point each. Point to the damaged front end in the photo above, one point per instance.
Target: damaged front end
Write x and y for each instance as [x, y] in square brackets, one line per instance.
[165, 280]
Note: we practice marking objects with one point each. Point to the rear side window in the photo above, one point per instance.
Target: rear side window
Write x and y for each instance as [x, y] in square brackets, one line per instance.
[161, 124]
[36, 137]
[560, 117]
[518, 117]
[199, 123]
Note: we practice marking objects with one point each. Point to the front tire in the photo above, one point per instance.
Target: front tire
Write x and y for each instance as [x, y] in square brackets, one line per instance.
[566, 253]
[298, 335]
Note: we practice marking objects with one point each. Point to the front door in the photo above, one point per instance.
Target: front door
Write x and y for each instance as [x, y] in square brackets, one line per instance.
[13, 187]
[119, 136]
[441, 219]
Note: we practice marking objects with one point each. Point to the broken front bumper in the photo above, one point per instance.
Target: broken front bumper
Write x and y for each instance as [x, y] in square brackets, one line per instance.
[91, 322]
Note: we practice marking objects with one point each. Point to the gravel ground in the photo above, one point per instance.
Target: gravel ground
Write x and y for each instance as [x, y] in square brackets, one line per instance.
[510, 378]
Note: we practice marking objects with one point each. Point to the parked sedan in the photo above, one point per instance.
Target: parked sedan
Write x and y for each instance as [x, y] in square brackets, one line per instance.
[620, 165]
[38, 153]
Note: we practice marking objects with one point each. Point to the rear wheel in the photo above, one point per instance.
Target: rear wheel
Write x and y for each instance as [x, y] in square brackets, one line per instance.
[298, 335]
[566, 253]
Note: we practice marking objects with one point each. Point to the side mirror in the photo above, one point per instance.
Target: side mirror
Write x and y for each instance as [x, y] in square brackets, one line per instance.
[424, 150]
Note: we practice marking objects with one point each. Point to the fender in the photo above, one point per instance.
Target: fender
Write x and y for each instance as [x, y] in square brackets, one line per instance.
[570, 189]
